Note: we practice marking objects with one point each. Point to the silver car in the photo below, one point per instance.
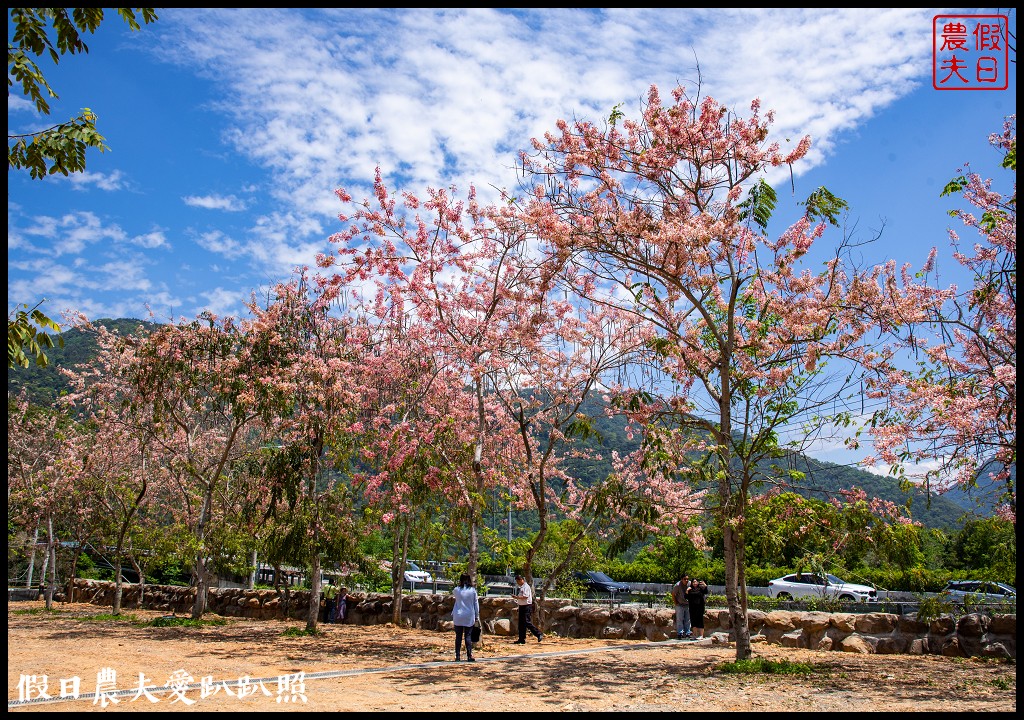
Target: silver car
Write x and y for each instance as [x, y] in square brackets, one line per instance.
[979, 591]
[816, 585]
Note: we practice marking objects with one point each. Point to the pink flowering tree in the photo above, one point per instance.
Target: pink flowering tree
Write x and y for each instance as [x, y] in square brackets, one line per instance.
[119, 459]
[212, 390]
[315, 393]
[665, 219]
[41, 490]
[954, 405]
[496, 320]
[441, 268]
[417, 440]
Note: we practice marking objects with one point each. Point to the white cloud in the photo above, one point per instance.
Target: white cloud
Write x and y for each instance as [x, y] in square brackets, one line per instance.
[69, 234]
[217, 242]
[442, 96]
[215, 202]
[19, 103]
[103, 181]
[151, 240]
[221, 301]
[125, 274]
[317, 99]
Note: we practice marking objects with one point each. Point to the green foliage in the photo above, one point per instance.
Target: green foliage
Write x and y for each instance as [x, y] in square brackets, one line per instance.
[27, 335]
[899, 546]
[764, 666]
[569, 587]
[616, 114]
[371, 576]
[109, 617]
[987, 546]
[759, 205]
[169, 571]
[918, 579]
[302, 632]
[37, 611]
[456, 570]
[823, 205]
[175, 621]
[61, 148]
[490, 565]
[556, 547]
[44, 384]
[929, 608]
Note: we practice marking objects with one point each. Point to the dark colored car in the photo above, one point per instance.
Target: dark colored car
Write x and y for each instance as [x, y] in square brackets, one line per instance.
[597, 582]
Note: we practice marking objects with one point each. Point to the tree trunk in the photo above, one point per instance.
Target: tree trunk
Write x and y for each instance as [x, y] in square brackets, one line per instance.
[118, 564]
[284, 594]
[478, 454]
[46, 565]
[51, 556]
[69, 596]
[118, 585]
[735, 590]
[314, 595]
[202, 581]
[474, 544]
[142, 580]
[251, 585]
[399, 556]
[32, 558]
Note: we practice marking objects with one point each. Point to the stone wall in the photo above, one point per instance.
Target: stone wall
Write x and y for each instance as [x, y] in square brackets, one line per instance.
[883, 633]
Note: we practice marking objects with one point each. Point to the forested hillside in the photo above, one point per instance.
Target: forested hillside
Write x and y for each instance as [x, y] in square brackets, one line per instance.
[44, 385]
[823, 480]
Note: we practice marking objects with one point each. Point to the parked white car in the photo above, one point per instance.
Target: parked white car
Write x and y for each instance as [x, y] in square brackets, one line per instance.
[413, 573]
[815, 585]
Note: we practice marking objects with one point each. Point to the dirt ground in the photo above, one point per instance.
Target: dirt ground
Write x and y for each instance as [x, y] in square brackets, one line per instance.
[385, 668]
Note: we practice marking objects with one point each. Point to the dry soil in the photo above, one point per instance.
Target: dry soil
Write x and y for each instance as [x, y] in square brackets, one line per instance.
[387, 668]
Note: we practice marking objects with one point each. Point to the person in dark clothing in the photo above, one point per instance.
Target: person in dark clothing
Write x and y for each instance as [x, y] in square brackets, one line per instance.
[682, 607]
[695, 596]
[524, 599]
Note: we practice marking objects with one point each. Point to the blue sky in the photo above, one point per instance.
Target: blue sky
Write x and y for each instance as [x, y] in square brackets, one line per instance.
[230, 129]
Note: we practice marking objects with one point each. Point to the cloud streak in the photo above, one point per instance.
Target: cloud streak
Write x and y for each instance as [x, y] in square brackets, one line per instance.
[311, 100]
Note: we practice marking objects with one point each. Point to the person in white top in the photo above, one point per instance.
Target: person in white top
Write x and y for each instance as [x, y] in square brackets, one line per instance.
[465, 615]
[524, 596]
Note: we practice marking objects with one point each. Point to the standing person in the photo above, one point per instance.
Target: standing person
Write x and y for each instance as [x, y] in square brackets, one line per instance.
[524, 597]
[695, 595]
[682, 607]
[330, 592]
[341, 605]
[465, 615]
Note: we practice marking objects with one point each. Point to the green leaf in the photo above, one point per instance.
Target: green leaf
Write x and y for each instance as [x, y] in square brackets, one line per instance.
[954, 186]
[759, 205]
[823, 205]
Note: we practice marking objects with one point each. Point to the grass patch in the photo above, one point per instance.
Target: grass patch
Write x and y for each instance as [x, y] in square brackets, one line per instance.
[183, 622]
[36, 611]
[767, 667]
[106, 617]
[1001, 683]
[301, 632]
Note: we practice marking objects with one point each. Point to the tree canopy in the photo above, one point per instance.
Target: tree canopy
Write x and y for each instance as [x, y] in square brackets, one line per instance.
[54, 31]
